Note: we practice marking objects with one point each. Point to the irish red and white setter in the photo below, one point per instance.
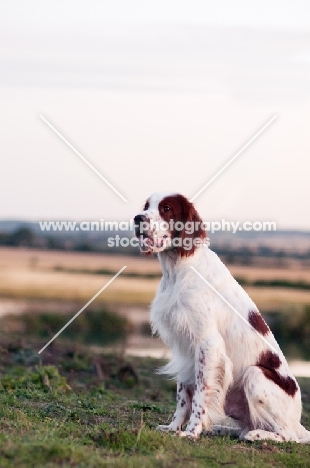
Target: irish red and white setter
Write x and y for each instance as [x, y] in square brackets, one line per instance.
[227, 369]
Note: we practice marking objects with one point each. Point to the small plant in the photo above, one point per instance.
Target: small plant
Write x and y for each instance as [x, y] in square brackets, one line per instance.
[41, 377]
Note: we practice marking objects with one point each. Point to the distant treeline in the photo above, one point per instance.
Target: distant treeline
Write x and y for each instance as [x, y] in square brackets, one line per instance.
[25, 236]
[246, 253]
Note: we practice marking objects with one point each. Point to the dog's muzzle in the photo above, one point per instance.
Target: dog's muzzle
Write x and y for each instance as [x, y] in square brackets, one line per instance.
[142, 233]
[140, 223]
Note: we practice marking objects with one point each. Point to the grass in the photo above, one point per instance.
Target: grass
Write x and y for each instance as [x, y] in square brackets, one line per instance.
[70, 408]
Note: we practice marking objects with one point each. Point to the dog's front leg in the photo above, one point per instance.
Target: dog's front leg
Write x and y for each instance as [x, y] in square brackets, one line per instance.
[183, 409]
[212, 379]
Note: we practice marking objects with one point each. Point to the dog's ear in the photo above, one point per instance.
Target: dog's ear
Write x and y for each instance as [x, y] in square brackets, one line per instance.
[192, 230]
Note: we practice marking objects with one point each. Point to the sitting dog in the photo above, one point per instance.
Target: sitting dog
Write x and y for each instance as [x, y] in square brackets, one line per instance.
[226, 361]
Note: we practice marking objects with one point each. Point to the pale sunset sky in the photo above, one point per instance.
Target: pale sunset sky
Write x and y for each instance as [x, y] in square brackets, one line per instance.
[157, 96]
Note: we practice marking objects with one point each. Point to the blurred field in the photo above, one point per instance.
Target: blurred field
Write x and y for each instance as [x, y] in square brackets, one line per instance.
[26, 259]
[69, 286]
[37, 274]
[296, 272]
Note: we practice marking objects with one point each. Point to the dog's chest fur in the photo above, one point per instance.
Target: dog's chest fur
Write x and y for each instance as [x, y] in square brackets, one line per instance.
[173, 314]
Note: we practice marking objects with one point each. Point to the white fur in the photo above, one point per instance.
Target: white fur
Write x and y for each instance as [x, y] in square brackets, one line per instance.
[214, 353]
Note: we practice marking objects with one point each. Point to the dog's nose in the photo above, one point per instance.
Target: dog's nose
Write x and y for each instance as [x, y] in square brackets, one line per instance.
[139, 227]
[139, 219]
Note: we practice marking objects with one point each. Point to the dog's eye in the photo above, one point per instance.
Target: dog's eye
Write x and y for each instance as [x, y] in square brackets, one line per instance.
[147, 205]
[166, 208]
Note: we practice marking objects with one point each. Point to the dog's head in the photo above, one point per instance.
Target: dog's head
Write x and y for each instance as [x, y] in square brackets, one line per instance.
[169, 221]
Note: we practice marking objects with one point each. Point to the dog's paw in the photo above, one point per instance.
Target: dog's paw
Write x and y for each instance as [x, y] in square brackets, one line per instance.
[189, 435]
[251, 437]
[169, 428]
[260, 434]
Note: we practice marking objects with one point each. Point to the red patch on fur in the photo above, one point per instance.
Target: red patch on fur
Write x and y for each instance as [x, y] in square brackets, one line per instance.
[190, 392]
[181, 209]
[286, 383]
[268, 362]
[258, 323]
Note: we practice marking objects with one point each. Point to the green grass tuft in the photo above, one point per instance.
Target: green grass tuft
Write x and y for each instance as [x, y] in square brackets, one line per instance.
[74, 409]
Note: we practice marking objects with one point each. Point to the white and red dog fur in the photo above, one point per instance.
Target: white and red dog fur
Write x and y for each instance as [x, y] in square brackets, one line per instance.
[222, 366]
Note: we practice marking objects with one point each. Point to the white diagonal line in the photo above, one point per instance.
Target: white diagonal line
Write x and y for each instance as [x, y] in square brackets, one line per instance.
[83, 308]
[232, 307]
[82, 157]
[233, 158]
